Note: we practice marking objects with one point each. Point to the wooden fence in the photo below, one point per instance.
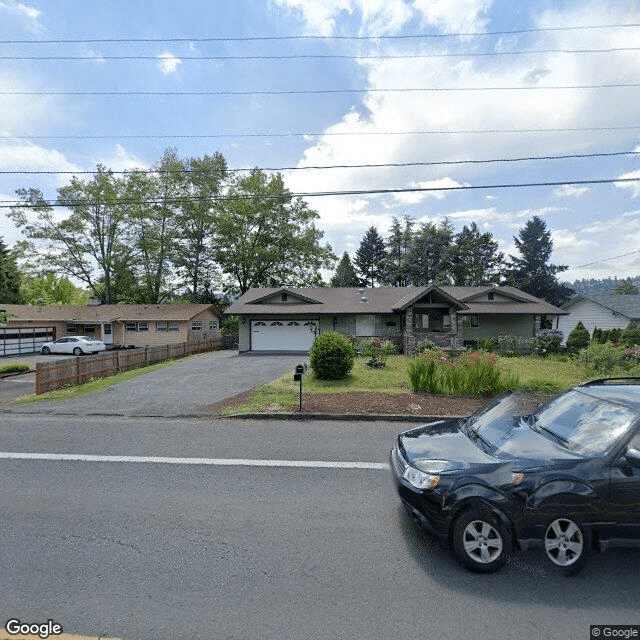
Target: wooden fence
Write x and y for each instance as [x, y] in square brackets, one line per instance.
[73, 371]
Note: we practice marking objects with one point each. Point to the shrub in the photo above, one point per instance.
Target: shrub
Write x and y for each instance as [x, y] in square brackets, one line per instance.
[578, 338]
[331, 356]
[603, 358]
[426, 345]
[631, 334]
[548, 341]
[485, 344]
[377, 350]
[510, 345]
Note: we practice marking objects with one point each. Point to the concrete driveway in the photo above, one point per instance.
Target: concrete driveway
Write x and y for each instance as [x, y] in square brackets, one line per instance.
[183, 389]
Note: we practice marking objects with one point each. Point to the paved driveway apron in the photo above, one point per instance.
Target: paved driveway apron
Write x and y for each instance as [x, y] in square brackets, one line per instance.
[186, 388]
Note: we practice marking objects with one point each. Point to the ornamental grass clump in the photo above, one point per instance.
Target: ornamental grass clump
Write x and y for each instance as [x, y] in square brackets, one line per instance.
[470, 374]
[331, 356]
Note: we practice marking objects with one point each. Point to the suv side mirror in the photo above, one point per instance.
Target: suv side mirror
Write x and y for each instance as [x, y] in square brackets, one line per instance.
[632, 456]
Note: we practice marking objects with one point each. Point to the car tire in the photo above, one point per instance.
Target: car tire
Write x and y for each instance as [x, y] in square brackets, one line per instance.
[46, 351]
[566, 545]
[77, 351]
[480, 541]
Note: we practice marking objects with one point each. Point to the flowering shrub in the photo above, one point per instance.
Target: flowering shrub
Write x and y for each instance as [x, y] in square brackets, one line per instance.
[548, 341]
[603, 358]
[377, 350]
[510, 345]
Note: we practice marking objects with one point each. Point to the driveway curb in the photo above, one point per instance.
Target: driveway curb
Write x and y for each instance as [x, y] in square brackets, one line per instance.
[360, 417]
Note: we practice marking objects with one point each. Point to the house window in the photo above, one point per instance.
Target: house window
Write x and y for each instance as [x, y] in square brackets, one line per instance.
[143, 326]
[446, 322]
[161, 327]
[420, 320]
[284, 297]
[131, 326]
[212, 325]
[196, 325]
[174, 326]
[470, 322]
[491, 295]
[546, 322]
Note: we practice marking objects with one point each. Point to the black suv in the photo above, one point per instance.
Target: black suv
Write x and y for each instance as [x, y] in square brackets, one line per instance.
[565, 478]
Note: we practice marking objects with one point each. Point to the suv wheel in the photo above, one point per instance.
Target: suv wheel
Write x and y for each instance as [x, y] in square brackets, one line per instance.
[566, 545]
[480, 541]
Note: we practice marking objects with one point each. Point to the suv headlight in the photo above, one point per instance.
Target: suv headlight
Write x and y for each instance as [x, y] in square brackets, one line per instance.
[421, 480]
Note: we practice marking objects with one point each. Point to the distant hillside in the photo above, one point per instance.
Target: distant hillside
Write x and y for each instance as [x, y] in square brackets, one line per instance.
[600, 287]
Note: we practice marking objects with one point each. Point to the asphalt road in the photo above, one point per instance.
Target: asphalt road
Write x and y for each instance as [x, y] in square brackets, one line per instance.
[143, 549]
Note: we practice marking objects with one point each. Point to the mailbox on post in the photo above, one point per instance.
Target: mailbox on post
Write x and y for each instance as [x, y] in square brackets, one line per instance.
[299, 371]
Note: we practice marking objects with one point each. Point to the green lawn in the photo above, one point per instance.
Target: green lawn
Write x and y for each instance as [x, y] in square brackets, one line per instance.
[537, 375]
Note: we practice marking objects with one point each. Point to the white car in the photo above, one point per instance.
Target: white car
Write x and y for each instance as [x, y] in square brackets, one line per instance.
[77, 345]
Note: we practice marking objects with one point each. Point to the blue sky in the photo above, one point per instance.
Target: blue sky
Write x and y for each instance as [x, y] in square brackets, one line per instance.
[447, 121]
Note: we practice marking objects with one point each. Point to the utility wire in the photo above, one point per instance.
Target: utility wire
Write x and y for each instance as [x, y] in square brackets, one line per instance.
[385, 165]
[317, 37]
[317, 134]
[7, 204]
[416, 56]
[280, 92]
[588, 264]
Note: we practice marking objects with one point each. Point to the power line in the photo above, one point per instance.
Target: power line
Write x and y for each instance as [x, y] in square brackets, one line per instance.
[386, 165]
[417, 56]
[280, 92]
[318, 37]
[7, 204]
[588, 264]
[316, 134]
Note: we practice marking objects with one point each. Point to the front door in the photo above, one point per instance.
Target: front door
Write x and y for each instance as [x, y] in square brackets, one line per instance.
[107, 335]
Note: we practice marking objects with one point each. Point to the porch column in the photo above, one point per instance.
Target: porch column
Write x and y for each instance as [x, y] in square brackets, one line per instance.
[409, 338]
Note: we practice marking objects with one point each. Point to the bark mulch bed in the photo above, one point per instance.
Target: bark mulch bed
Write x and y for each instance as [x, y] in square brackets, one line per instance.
[379, 403]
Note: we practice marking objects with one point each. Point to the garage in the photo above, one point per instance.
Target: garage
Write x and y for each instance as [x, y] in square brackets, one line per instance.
[283, 335]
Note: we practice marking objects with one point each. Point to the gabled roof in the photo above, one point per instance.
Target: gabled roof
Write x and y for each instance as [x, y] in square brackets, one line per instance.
[105, 312]
[627, 305]
[415, 295]
[288, 291]
[384, 300]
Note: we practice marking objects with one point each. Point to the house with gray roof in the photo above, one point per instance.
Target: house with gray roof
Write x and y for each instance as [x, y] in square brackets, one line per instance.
[613, 311]
[128, 325]
[289, 318]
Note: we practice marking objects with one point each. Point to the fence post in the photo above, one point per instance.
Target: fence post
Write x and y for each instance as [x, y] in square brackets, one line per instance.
[78, 371]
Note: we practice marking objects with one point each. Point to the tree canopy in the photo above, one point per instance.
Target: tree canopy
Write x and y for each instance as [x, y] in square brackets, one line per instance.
[9, 277]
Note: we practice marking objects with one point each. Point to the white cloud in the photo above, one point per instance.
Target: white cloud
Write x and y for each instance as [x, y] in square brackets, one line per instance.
[24, 155]
[23, 10]
[633, 187]
[570, 191]
[454, 16]
[434, 187]
[168, 63]
[121, 160]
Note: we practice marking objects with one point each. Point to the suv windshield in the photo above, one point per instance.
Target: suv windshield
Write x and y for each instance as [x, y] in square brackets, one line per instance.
[583, 423]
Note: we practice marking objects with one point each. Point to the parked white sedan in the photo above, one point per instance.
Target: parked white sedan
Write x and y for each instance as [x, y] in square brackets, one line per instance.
[77, 345]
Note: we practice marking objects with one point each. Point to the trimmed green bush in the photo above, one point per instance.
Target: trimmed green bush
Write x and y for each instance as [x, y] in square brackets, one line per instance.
[631, 334]
[332, 356]
[578, 338]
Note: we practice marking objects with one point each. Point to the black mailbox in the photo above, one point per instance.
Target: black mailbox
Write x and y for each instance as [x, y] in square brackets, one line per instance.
[300, 369]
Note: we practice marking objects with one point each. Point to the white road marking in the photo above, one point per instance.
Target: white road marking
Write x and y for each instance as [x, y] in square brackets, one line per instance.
[215, 462]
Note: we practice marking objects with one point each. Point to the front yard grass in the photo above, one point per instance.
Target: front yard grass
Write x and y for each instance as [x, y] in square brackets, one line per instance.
[543, 376]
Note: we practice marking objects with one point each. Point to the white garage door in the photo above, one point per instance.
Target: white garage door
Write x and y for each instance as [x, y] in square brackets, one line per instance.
[283, 335]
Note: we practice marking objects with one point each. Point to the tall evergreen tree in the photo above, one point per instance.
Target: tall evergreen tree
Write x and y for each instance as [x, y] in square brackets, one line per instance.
[345, 275]
[475, 259]
[9, 276]
[396, 264]
[626, 287]
[532, 272]
[370, 257]
[429, 256]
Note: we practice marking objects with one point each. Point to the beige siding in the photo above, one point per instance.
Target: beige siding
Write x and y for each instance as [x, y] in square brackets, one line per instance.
[591, 315]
